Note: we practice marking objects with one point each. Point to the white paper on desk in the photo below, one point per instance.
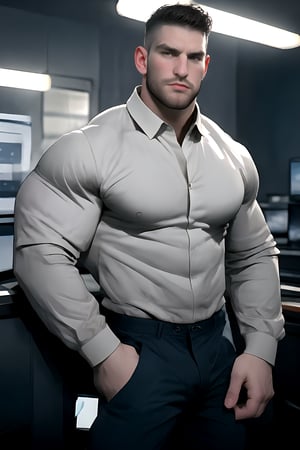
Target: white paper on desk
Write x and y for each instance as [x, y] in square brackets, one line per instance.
[86, 410]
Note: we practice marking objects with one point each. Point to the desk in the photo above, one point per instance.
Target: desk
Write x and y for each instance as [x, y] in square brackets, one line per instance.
[38, 389]
[289, 251]
[291, 306]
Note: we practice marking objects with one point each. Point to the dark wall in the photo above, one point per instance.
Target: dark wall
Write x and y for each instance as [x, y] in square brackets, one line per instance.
[268, 113]
[118, 37]
[217, 97]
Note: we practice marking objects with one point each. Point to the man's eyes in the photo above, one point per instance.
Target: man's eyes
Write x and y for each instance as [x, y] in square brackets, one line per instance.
[168, 52]
[195, 57]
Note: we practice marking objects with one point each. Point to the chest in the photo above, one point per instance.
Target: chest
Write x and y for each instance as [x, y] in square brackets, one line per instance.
[157, 184]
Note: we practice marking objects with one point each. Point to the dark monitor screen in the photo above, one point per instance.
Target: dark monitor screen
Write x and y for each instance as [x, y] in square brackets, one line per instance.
[276, 215]
[10, 153]
[294, 224]
[295, 179]
[277, 220]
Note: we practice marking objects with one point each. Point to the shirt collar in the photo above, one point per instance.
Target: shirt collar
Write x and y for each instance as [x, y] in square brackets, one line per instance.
[198, 123]
[149, 122]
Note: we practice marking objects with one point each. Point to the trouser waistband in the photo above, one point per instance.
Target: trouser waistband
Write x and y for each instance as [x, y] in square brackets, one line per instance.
[155, 326]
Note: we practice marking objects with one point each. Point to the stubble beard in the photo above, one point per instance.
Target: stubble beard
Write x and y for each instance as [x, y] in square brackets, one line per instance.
[159, 97]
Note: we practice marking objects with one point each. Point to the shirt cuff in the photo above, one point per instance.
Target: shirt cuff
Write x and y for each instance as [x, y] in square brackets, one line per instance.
[100, 347]
[261, 345]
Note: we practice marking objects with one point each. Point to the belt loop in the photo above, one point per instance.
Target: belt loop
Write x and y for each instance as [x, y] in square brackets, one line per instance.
[159, 329]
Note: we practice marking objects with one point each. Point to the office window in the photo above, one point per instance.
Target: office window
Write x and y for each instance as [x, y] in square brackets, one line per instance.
[64, 109]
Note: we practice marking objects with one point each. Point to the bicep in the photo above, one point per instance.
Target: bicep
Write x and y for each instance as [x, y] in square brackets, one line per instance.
[59, 201]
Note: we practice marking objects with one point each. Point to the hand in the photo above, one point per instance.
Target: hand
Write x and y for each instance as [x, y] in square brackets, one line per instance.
[255, 376]
[115, 371]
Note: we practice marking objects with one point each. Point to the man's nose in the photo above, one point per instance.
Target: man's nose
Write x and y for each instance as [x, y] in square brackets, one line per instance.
[181, 66]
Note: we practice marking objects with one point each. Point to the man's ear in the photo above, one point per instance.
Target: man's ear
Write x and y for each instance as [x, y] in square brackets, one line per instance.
[207, 60]
[140, 59]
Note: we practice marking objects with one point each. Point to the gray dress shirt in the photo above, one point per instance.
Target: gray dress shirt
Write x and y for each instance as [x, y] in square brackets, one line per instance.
[163, 228]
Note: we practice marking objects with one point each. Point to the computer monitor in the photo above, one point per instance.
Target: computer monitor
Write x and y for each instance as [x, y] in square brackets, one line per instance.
[15, 157]
[276, 216]
[294, 224]
[294, 179]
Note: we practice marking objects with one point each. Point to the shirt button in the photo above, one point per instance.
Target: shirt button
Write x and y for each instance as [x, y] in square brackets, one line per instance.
[190, 185]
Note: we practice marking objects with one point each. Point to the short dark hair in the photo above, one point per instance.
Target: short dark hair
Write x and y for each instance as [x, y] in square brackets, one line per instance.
[186, 15]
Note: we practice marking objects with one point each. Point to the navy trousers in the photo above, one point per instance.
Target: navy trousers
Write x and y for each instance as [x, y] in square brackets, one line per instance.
[175, 397]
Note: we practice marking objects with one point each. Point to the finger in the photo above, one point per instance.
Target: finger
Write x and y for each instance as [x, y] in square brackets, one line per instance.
[248, 410]
[233, 395]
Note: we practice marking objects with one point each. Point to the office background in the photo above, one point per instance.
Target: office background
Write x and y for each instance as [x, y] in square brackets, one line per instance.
[252, 91]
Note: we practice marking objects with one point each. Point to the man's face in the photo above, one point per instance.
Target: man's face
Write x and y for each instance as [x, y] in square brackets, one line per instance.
[176, 64]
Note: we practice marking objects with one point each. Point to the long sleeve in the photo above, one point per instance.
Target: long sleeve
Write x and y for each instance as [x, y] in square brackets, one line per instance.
[56, 214]
[253, 282]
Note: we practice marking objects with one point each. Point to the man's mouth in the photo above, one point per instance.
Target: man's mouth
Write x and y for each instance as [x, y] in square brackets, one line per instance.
[179, 86]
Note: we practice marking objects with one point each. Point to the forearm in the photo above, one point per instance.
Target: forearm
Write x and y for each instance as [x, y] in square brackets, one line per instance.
[58, 294]
[254, 291]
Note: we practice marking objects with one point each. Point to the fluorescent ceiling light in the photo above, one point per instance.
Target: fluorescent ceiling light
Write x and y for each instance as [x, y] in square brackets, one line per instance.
[25, 80]
[223, 22]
